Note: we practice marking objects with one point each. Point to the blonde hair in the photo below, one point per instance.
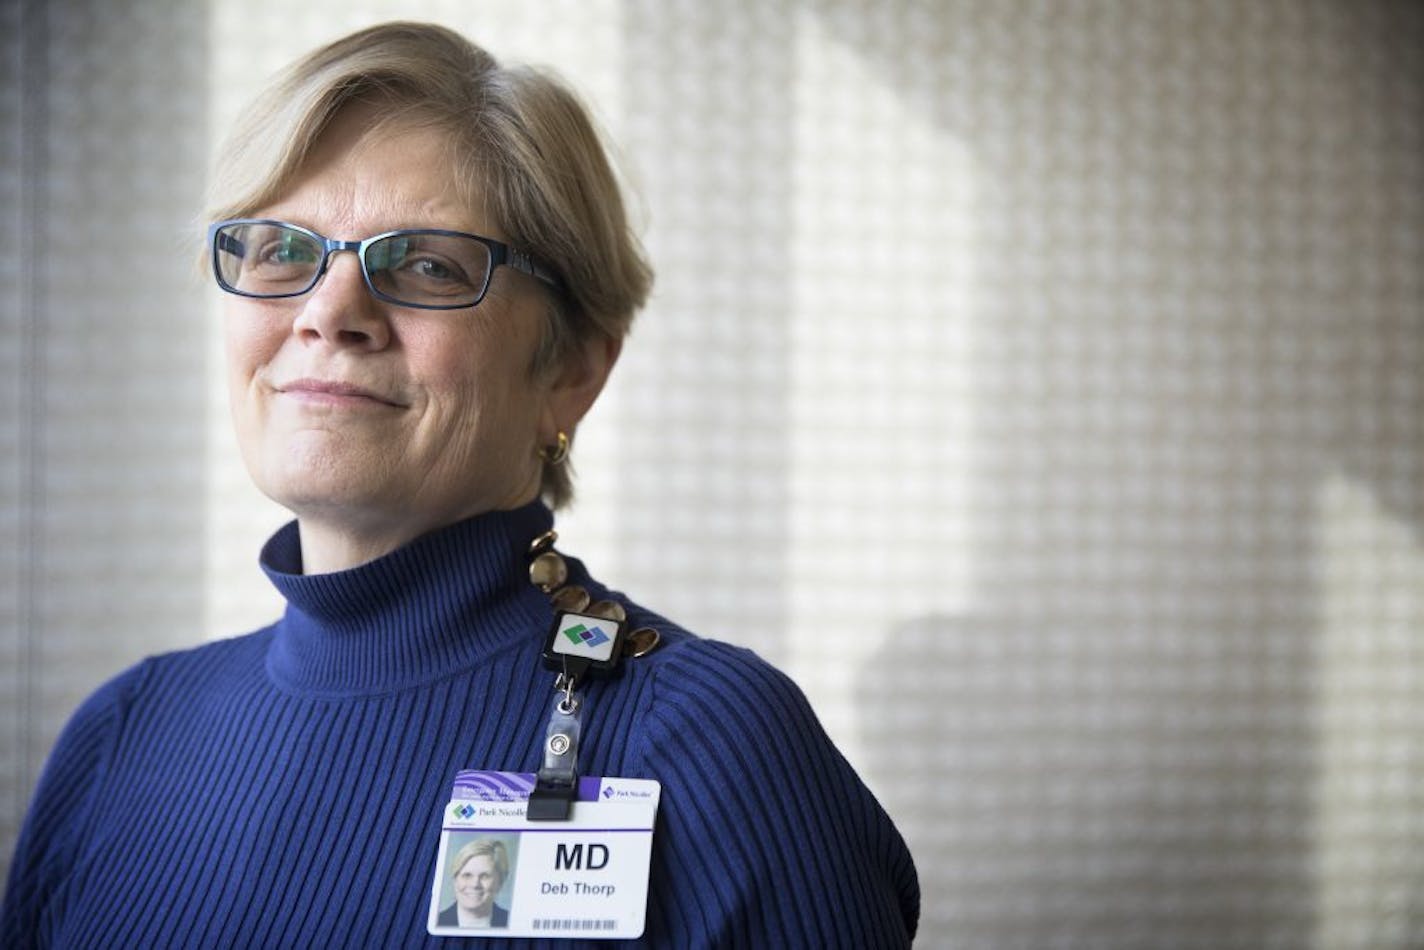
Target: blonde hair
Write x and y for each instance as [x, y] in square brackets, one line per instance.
[483, 847]
[525, 153]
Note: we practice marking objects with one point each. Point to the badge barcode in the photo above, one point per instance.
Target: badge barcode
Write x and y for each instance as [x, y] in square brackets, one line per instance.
[579, 925]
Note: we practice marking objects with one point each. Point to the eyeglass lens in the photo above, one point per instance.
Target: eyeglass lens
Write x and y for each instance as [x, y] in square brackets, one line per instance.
[419, 268]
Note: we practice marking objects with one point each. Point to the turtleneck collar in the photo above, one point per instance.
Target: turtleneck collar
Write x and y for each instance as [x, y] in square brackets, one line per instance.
[433, 607]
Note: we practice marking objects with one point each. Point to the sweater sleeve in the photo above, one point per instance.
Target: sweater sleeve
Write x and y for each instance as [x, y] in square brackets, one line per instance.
[769, 836]
[61, 813]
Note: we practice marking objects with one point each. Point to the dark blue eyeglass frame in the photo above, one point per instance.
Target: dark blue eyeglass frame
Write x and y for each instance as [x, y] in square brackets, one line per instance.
[500, 254]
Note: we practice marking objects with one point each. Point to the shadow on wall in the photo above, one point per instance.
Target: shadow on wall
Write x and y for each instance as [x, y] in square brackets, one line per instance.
[1061, 786]
[1187, 322]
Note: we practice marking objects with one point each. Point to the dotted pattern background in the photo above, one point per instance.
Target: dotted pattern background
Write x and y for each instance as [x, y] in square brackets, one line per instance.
[1038, 382]
[102, 375]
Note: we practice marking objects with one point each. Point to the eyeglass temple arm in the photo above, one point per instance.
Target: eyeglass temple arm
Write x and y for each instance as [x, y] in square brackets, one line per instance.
[230, 244]
[522, 261]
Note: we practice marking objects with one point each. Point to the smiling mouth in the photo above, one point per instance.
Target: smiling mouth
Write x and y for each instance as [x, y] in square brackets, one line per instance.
[330, 393]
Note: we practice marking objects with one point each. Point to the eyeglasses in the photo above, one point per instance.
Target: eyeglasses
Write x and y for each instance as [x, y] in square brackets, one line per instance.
[420, 267]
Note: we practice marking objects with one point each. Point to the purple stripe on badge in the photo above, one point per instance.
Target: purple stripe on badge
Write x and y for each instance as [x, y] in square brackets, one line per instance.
[482, 786]
[473, 785]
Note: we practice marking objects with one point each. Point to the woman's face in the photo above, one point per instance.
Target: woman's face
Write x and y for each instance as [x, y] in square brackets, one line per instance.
[476, 884]
[378, 420]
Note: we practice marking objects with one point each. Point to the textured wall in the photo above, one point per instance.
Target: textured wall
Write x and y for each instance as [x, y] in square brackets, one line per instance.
[103, 520]
[1039, 382]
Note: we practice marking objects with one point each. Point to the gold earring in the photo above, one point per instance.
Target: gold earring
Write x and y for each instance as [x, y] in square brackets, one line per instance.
[557, 454]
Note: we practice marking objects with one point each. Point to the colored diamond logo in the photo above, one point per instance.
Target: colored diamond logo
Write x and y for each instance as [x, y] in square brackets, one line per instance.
[464, 811]
[586, 636]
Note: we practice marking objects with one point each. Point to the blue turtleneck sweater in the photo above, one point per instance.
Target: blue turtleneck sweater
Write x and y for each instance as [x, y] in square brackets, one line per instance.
[285, 788]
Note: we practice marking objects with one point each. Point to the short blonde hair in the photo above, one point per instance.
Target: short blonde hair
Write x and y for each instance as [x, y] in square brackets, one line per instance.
[525, 153]
[483, 847]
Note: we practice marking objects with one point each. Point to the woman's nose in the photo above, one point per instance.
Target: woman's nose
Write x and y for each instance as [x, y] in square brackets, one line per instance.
[341, 310]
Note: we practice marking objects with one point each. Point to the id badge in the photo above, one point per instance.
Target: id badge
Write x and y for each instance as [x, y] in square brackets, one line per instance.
[500, 875]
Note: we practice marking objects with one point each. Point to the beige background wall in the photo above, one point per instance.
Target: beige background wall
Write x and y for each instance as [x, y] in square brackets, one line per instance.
[1038, 382]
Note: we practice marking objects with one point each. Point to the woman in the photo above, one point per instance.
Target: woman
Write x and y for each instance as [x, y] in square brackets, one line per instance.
[478, 872]
[429, 275]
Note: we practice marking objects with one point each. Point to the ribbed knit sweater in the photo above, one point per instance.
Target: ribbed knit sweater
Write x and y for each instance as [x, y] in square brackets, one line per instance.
[286, 788]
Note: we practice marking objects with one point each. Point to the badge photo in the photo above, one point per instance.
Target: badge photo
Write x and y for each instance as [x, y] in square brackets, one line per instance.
[478, 883]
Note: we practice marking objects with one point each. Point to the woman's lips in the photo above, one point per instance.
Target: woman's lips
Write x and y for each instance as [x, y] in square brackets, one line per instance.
[323, 392]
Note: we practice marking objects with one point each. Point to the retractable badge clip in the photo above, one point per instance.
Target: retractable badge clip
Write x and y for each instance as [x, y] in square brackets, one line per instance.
[578, 645]
[553, 794]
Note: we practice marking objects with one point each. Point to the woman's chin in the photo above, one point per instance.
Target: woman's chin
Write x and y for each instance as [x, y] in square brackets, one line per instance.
[319, 469]
[333, 494]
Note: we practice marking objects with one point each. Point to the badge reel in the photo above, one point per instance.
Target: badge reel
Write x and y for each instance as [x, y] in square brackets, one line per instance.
[578, 646]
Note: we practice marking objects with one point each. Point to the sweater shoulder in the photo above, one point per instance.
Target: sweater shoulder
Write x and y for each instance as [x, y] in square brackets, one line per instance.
[82, 761]
[97, 723]
[61, 809]
[725, 688]
[212, 654]
[752, 780]
[715, 689]
[735, 712]
[77, 758]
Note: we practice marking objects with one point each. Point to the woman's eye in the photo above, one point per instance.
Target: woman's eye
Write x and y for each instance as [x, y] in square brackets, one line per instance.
[286, 252]
[434, 270]
[423, 269]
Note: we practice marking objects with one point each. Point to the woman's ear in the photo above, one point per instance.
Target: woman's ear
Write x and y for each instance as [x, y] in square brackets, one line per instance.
[576, 386]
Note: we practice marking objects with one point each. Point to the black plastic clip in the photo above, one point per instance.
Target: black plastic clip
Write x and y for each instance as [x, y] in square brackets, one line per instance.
[552, 800]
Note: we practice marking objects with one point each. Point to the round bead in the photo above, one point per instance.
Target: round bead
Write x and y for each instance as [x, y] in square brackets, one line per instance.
[608, 610]
[572, 598]
[548, 571]
[641, 642]
[543, 543]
